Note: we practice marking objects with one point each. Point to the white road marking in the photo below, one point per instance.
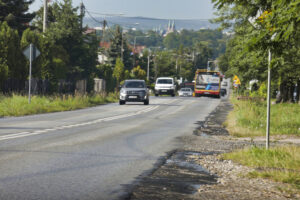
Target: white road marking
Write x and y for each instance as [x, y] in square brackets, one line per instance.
[26, 134]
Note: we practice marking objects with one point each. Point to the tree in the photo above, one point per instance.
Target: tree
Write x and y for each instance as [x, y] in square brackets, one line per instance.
[118, 73]
[119, 49]
[138, 73]
[277, 29]
[11, 55]
[105, 71]
[15, 13]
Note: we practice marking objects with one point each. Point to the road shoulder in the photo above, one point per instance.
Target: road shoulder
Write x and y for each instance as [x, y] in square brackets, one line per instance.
[195, 171]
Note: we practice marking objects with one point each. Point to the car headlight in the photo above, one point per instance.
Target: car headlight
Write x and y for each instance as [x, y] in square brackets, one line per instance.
[123, 92]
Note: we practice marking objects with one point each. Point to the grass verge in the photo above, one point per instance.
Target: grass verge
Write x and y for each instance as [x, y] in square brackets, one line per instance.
[248, 119]
[17, 105]
[281, 164]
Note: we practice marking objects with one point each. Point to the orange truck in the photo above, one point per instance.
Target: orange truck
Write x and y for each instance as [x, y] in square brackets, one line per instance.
[207, 83]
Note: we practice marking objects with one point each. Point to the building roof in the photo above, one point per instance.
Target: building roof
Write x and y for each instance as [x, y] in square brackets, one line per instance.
[104, 45]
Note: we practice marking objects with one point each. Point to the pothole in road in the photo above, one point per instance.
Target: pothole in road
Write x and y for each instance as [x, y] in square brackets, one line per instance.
[178, 177]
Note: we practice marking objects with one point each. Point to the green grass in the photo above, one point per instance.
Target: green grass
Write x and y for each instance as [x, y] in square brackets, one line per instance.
[17, 105]
[249, 119]
[281, 164]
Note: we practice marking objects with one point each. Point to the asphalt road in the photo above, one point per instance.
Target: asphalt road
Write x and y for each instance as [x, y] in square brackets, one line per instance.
[93, 153]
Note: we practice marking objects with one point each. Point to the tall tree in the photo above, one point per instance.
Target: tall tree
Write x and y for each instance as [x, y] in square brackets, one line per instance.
[261, 25]
[15, 13]
[119, 49]
[11, 54]
[118, 72]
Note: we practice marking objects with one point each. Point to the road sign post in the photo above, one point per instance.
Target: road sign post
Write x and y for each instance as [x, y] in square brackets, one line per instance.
[31, 52]
[30, 67]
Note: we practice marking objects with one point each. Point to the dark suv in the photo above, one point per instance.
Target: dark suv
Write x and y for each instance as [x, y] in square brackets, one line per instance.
[134, 91]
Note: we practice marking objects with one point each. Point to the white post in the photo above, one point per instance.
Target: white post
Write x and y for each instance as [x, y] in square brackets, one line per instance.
[45, 16]
[148, 66]
[30, 65]
[268, 102]
[133, 59]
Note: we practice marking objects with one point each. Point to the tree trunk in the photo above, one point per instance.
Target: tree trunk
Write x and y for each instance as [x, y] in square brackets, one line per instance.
[279, 94]
[291, 89]
[284, 92]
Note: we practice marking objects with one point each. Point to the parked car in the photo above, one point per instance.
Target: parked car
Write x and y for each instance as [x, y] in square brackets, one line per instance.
[165, 85]
[184, 92]
[134, 91]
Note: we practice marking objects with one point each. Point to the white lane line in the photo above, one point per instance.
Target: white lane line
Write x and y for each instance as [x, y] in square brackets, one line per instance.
[25, 134]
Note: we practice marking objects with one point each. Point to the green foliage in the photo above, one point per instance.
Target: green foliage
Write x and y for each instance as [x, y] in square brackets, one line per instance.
[18, 105]
[250, 119]
[118, 72]
[212, 39]
[119, 42]
[138, 73]
[15, 13]
[66, 53]
[105, 72]
[165, 64]
[11, 57]
[277, 29]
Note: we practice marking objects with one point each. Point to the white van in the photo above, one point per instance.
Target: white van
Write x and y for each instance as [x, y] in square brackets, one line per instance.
[165, 85]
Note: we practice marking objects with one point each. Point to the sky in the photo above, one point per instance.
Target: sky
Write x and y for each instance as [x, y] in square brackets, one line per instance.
[164, 9]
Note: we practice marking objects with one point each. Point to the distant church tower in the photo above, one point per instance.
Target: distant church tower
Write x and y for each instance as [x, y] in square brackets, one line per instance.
[171, 27]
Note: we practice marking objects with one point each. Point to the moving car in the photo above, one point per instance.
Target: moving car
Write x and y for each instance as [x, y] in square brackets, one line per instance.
[185, 92]
[165, 85]
[134, 91]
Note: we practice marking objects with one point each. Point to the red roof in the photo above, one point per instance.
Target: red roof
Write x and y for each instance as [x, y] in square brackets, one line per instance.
[104, 45]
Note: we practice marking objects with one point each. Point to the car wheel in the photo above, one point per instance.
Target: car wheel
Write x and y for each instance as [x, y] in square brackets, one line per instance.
[121, 102]
[146, 102]
[156, 95]
[173, 95]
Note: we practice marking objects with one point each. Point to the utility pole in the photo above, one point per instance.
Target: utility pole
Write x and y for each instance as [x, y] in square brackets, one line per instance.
[122, 45]
[45, 15]
[148, 67]
[176, 67]
[82, 12]
[103, 29]
[133, 59]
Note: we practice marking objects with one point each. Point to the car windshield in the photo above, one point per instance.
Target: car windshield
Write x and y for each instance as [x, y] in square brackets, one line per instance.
[134, 84]
[165, 81]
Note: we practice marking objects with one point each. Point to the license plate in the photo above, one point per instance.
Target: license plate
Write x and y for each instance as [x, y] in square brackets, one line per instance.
[164, 90]
[132, 97]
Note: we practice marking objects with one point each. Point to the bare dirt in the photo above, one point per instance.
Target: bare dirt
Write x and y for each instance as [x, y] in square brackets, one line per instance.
[196, 171]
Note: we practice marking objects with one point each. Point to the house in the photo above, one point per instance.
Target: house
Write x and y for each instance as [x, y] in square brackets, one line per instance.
[102, 57]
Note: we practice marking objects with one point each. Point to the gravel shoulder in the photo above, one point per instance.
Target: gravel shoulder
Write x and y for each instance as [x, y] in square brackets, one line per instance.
[196, 171]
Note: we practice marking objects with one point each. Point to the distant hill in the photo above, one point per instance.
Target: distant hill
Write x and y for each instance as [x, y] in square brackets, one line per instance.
[144, 23]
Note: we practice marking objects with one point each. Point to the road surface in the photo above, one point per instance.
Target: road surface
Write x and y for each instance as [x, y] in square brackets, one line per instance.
[94, 153]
